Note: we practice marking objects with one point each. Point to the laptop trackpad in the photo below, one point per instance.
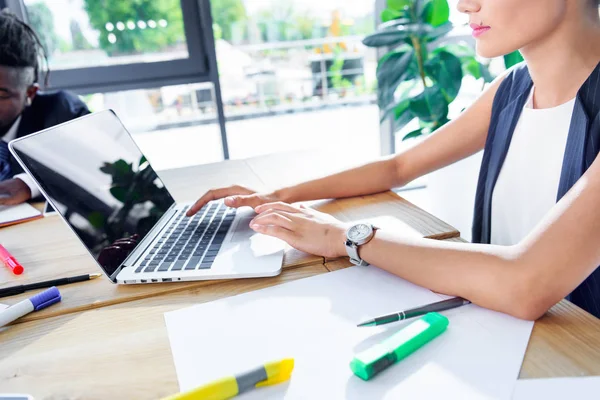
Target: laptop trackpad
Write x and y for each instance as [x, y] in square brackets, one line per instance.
[242, 231]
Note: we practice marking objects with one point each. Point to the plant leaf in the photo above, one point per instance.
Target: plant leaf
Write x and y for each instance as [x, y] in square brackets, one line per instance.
[430, 105]
[445, 69]
[393, 65]
[471, 67]
[403, 119]
[420, 7]
[458, 49]
[436, 12]
[107, 168]
[385, 38]
[118, 193]
[393, 24]
[413, 134]
[390, 15]
[96, 219]
[405, 88]
[391, 71]
[390, 37]
[485, 73]
[401, 108]
[121, 167]
[398, 5]
[512, 59]
[435, 33]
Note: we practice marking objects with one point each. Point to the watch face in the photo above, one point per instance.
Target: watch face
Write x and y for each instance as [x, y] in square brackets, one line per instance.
[359, 232]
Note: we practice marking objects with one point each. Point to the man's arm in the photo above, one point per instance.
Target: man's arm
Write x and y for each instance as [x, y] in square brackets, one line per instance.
[35, 192]
[14, 191]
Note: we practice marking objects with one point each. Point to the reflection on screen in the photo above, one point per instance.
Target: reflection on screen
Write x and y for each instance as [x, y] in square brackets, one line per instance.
[100, 182]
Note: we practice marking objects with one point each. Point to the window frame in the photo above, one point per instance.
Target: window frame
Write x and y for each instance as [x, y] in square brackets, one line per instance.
[92, 79]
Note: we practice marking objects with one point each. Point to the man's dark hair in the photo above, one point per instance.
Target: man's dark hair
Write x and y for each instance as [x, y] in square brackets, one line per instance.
[20, 47]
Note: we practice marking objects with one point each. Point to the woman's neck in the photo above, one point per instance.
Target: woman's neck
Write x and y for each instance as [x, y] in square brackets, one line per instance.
[561, 62]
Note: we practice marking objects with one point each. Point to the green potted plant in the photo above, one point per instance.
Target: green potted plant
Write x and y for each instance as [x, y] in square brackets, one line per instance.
[422, 73]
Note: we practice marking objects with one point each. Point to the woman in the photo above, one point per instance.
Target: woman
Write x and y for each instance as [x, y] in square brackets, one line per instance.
[539, 185]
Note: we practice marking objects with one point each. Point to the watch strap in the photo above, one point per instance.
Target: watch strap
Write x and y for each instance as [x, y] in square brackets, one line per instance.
[352, 250]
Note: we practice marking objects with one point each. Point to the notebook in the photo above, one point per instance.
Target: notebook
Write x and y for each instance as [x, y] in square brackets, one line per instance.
[11, 215]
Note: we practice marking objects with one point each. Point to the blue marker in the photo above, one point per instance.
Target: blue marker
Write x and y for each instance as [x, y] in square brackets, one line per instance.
[35, 303]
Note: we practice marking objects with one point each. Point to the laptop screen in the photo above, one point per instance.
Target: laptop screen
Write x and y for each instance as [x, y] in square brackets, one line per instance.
[93, 173]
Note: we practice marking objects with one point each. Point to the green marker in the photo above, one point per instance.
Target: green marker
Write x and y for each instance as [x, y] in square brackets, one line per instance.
[410, 338]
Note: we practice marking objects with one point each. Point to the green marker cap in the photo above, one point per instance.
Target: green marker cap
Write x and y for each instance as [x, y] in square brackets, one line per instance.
[370, 362]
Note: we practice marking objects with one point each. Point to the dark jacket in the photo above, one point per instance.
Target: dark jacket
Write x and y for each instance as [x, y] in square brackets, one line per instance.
[583, 144]
[46, 110]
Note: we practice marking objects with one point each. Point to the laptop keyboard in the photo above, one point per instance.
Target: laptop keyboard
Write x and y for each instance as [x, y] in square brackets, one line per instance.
[190, 243]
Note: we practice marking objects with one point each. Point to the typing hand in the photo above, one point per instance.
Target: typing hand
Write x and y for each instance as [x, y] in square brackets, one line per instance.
[303, 228]
[14, 191]
[235, 196]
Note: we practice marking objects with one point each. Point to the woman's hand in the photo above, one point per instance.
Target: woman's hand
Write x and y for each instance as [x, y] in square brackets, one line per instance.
[303, 228]
[235, 196]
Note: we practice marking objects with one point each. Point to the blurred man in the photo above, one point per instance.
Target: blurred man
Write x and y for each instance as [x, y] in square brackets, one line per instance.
[23, 109]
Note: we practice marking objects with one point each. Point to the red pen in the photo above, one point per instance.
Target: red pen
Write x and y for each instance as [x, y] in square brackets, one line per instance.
[10, 261]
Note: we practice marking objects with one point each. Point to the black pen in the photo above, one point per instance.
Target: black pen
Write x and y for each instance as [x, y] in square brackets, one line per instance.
[13, 290]
[417, 312]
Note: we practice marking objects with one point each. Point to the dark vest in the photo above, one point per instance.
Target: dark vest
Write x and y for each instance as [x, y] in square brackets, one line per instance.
[583, 144]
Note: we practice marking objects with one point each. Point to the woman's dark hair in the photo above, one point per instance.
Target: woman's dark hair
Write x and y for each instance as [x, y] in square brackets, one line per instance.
[20, 47]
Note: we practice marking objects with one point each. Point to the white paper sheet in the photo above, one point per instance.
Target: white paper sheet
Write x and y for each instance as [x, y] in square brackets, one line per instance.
[558, 388]
[313, 320]
[13, 214]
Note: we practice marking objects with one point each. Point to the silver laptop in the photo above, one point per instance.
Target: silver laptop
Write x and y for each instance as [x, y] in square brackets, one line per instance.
[98, 180]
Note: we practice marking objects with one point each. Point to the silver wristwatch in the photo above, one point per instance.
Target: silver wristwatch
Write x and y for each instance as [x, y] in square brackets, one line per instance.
[357, 235]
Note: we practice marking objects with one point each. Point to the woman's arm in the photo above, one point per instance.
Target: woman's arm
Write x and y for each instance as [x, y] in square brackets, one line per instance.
[523, 280]
[456, 140]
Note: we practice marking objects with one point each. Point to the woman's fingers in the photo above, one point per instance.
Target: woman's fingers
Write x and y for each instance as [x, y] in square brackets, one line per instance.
[278, 205]
[215, 194]
[275, 218]
[276, 231]
[251, 200]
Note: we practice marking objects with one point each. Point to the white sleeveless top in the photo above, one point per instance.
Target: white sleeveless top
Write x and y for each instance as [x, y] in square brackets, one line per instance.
[528, 182]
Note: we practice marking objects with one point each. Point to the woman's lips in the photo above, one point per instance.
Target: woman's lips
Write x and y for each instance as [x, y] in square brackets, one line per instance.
[479, 30]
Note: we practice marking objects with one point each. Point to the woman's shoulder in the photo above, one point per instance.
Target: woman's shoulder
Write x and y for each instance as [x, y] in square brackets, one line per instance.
[515, 81]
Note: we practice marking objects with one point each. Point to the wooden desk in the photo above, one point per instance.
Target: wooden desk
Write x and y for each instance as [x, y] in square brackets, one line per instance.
[48, 249]
[121, 351]
[105, 353]
[108, 353]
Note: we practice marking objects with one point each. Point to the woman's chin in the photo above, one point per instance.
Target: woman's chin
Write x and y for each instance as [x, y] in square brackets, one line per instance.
[487, 50]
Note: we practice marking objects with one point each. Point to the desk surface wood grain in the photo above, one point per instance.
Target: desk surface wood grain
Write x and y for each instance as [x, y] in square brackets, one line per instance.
[99, 349]
[116, 352]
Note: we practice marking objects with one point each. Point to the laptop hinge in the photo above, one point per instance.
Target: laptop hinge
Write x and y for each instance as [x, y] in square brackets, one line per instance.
[147, 240]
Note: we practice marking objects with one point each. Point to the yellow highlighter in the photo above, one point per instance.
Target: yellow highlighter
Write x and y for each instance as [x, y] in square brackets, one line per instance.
[225, 388]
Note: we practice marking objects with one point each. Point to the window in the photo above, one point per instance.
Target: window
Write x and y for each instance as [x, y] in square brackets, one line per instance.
[87, 33]
[114, 52]
[111, 45]
[174, 126]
